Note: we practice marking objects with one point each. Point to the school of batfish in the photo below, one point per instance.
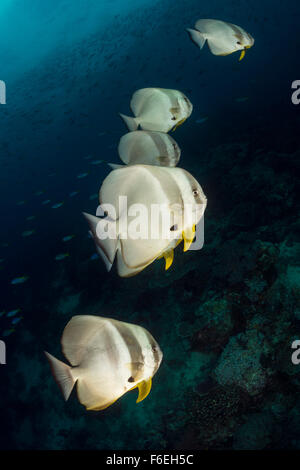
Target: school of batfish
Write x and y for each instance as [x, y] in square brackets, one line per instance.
[109, 357]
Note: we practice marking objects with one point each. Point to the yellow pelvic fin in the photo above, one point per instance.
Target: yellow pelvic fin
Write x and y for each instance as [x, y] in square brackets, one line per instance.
[178, 124]
[169, 257]
[188, 237]
[179, 241]
[144, 389]
[242, 54]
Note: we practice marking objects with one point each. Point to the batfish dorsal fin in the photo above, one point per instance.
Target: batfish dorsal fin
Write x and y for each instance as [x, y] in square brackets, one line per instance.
[139, 98]
[78, 333]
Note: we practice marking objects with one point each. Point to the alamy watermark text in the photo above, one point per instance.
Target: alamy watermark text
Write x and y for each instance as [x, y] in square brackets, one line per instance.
[2, 352]
[296, 93]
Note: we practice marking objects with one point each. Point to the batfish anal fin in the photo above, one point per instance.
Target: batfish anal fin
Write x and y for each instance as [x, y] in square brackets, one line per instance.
[103, 407]
[144, 389]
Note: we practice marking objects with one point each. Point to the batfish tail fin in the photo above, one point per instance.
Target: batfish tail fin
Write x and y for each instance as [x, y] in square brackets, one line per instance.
[62, 374]
[106, 247]
[131, 123]
[198, 38]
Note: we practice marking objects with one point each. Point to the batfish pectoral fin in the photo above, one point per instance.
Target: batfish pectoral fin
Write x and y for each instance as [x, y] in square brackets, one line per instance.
[178, 124]
[169, 258]
[188, 237]
[243, 53]
[144, 389]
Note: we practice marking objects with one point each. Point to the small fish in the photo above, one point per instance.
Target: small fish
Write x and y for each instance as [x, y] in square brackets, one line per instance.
[158, 109]
[44, 203]
[108, 357]
[56, 206]
[67, 238]
[94, 257]
[28, 233]
[242, 99]
[222, 38]
[93, 196]
[12, 313]
[19, 280]
[62, 256]
[82, 175]
[31, 217]
[8, 332]
[202, 120]
[96, 162]
[73, 193]
[39, 193]
[16, 320]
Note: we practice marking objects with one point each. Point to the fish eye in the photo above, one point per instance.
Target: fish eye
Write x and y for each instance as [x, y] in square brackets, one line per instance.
[154, 348]
[239, 43]
[173, 118]
[131, 379]
[195, 192]
[172, 229]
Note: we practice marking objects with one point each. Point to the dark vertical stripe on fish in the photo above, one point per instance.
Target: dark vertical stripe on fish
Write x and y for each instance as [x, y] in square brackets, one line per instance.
[155, 351]
[134, 348]
[238, 34]
[159, 144]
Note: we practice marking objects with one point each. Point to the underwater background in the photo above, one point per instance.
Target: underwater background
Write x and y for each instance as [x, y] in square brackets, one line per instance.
[225, 316]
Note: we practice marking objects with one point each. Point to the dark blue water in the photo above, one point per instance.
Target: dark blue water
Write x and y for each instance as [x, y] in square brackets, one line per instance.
[70, 67]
